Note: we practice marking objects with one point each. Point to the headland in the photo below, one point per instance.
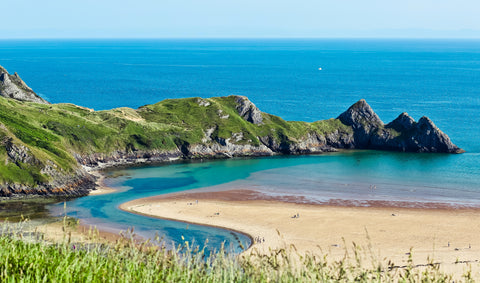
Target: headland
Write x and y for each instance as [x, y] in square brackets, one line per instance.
[51, 149]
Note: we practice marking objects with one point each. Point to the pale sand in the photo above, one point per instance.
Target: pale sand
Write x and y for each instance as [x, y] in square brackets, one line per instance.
[101, 188]
[56, 232]
[444, 235]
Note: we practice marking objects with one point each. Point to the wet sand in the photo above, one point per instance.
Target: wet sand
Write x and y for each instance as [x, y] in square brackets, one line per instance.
[101, 187]
[437, 233]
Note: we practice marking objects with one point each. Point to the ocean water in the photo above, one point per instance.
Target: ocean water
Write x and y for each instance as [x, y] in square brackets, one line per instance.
[436, 78]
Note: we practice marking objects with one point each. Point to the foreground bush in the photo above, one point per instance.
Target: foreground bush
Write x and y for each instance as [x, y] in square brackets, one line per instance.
[28, 259]
[38, 262]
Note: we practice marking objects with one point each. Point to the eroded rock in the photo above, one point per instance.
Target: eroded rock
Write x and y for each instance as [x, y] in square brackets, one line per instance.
[12, 86]
[248, 111]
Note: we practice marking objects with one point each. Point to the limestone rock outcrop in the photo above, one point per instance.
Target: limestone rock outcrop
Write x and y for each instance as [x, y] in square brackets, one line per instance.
[12, 86]
[424, 136]
[248, 111]
[364, 122]
[402, 134]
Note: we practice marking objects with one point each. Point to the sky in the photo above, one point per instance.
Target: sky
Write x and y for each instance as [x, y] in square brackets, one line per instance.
[237, 19]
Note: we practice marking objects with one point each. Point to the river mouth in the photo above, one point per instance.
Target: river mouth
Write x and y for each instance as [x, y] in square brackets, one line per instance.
[352, 176]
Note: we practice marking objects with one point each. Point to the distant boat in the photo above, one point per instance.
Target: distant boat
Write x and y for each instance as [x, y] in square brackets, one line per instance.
[319, 69]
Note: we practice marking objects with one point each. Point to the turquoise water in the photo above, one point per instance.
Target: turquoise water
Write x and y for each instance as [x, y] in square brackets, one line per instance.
[436, 78]
[102, 211]
[416, 179]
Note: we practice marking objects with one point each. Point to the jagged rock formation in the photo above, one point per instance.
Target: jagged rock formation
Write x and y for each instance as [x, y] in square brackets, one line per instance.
[402, 134]
[363, 121]
[248, 111]
[12, 86]
[423, 136]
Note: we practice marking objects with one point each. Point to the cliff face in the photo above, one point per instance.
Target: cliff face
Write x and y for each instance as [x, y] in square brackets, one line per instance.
[49, 149]
[248, 111]
[357, 128]
[364, 122]
[402, 134]
[39, 177]
[12, 86]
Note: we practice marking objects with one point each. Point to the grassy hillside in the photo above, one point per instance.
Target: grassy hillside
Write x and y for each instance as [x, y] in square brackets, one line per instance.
[34, 136]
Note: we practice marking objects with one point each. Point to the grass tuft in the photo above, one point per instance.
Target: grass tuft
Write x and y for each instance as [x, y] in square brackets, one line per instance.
[28, 258]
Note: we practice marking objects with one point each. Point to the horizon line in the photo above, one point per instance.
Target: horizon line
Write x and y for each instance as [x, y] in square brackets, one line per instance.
[244, 38]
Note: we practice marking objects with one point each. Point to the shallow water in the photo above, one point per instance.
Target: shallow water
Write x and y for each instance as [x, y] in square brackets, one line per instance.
[436, 78]
[102, 211]
[347, 175]
[319, 179]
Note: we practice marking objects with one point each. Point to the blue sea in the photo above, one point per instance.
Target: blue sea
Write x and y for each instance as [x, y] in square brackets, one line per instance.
[297, 79]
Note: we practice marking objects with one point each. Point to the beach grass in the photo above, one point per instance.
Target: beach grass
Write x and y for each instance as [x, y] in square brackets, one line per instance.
[32, 259]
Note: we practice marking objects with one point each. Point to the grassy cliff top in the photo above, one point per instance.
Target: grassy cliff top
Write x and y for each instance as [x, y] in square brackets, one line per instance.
[40, 142]
[51, 135]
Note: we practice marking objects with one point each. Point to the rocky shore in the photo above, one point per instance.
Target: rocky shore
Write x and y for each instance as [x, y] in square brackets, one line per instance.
[54, 147]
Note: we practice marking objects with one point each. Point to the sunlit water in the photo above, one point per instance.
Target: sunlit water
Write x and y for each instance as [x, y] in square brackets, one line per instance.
[437, 78]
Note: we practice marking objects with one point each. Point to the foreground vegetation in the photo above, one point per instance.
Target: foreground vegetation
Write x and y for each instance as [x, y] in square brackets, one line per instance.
[28, 258]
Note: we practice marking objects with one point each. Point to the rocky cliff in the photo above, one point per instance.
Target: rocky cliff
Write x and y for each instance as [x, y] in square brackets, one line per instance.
[402, 134]
[50, 149]
[12, 86]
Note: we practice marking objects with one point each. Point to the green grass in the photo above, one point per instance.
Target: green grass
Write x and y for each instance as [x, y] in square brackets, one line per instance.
[12, 173]
[54, 134]
[25, 260]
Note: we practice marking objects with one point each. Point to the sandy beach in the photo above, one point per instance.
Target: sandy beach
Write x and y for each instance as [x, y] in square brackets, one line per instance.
[446, 236]
[101, 187]
[82, 233]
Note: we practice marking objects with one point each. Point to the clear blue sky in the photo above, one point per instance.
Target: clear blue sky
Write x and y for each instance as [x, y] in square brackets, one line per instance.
[240, 18]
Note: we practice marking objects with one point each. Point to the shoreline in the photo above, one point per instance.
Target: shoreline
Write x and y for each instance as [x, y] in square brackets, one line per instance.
[444, 234]
[100, 188]
[241, 194]
[127, 209]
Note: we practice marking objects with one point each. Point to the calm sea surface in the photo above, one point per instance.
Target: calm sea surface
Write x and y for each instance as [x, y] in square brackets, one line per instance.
[436, 78]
